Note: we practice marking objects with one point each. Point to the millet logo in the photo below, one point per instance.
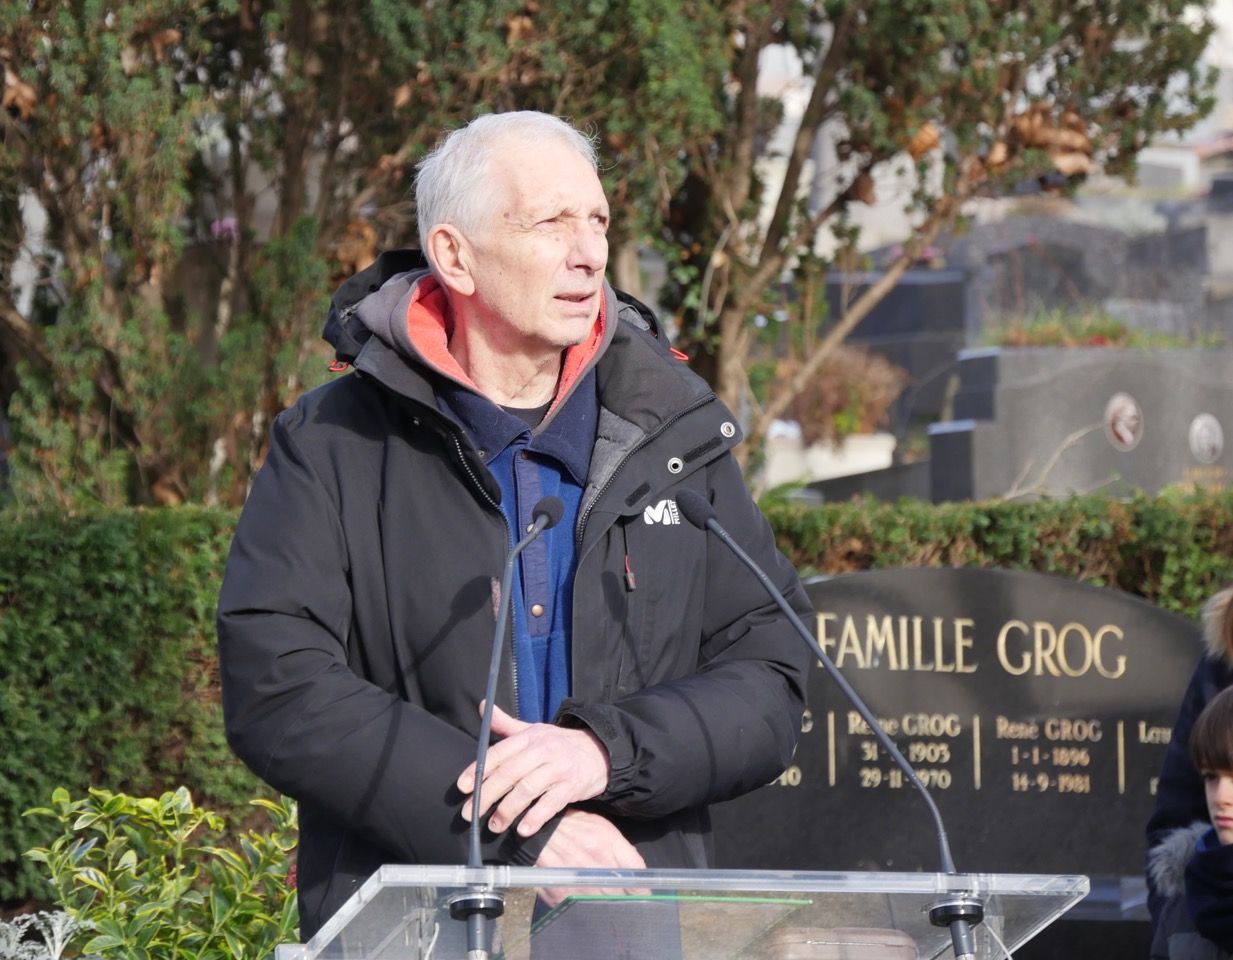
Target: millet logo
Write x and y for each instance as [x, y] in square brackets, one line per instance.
[663, 512]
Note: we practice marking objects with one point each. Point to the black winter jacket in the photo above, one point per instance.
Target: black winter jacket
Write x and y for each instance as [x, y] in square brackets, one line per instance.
[1195, 887]
[356, 614]
[1180, 800]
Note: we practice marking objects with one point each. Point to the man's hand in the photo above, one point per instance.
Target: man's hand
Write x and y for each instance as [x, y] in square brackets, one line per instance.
[584, 840]
[538, 768]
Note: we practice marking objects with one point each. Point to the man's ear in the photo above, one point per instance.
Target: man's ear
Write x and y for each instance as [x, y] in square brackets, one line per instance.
[450, 256]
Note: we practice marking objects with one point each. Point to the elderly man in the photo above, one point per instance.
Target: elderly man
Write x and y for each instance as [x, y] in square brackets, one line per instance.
[646, 673]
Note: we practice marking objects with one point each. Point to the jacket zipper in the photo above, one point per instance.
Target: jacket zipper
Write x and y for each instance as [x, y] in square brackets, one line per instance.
[586, 514]
[513, 661]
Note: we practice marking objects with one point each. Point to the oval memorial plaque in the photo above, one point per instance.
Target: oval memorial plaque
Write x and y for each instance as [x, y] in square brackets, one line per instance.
[1036, 709]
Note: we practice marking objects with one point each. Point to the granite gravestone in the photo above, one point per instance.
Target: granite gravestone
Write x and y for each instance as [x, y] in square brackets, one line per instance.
[1036, 709]
[920, 325]
[1027, 263]
[1058, 421]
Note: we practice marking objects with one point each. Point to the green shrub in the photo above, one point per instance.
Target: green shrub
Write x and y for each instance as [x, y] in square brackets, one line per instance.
[1174, 550]
[148, 878]
[107, 668]
[1086, 327]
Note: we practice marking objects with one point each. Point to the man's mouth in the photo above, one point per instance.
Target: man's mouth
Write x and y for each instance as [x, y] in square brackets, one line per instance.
[582, 297]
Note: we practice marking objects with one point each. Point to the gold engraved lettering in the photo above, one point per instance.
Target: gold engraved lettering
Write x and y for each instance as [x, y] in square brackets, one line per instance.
[1074, 783]
[1079, 630]
[1006, 729]
[898, 642]
[976, 752]
[918, 654]
[1150, 734]
[790, 778]
[934, 779]
[1071, 652]
[963, 641]
[857, 725]
[1210, 478]
[1097, 652]
[850, 643]
[1023, 665]
[830, 747]
[881, 638]
[1121, 756]
[1083, 731]
[939, 655]
[1044, 653]
[932, 725]
[928, 752]
[825, 640]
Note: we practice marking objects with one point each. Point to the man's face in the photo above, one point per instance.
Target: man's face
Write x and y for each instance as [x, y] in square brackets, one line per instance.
[539, 258]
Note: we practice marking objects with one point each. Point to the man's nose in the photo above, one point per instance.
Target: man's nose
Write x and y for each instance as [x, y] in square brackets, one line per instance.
[590, 250]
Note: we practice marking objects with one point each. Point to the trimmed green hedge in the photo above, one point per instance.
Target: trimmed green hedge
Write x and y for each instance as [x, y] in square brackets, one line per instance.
[1174, 550]
[107, 672]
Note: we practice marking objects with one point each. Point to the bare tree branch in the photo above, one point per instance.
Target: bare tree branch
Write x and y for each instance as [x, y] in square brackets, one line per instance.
[1071, 439]
[815, 112]
[773, 261]
[21, 333]
[781, 399]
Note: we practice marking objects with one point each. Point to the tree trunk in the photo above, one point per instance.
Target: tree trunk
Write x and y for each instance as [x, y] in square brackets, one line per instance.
[626, 271]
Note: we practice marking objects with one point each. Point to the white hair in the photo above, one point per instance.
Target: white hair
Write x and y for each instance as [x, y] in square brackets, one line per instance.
[452, 184]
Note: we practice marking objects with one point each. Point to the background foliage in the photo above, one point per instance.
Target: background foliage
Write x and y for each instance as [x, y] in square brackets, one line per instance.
[146, 878]
[210, 169]
[107, 672]
[1174, 550]
[107, 669]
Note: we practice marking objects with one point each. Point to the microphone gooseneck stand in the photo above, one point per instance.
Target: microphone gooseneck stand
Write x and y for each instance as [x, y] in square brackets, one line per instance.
[480, 905]
[959, 913]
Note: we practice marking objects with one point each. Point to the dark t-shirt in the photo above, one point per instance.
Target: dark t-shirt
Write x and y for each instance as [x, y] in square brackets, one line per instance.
[531, 416]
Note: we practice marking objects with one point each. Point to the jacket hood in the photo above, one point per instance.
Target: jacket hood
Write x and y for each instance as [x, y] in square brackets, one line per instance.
[1214, 619]
[1166, 862]
[343, 330]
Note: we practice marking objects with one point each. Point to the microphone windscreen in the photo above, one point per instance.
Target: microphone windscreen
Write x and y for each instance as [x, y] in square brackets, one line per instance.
[551, 508]
[695, 508]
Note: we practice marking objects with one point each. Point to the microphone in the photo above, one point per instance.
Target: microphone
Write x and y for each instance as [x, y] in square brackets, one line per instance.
[958, 913]
[480, 906]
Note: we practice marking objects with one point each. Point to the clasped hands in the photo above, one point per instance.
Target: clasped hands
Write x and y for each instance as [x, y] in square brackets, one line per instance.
[536, 770]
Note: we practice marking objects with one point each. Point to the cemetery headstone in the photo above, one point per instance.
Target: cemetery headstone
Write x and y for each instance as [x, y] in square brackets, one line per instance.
[1037, 710]
[920, 326]
[1046, 421]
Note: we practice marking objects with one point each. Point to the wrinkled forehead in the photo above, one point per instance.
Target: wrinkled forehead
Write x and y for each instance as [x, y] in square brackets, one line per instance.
[549, 176]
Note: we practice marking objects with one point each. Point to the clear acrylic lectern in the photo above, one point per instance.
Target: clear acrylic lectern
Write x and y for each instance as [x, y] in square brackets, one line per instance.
[403, 912]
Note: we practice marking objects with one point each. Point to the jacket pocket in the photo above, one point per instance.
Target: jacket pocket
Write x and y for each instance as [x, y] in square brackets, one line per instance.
[664, 569]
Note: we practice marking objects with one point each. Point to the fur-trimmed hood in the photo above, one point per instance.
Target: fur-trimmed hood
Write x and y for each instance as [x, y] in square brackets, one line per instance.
[1166, 862]
[1214, 613]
